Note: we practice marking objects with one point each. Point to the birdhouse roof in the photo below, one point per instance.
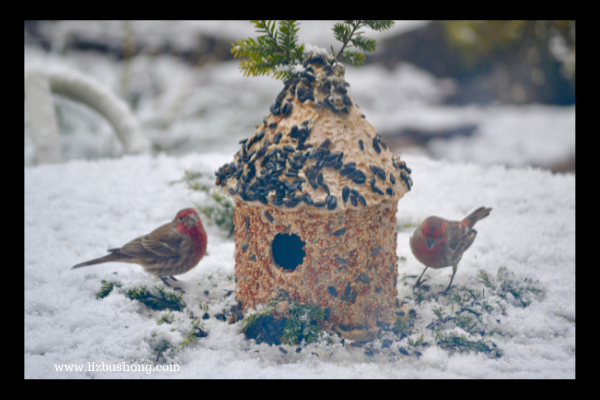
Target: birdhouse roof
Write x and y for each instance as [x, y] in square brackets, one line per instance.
[315, 149]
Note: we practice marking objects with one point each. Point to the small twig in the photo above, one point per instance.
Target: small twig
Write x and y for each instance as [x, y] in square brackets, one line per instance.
[349, 38]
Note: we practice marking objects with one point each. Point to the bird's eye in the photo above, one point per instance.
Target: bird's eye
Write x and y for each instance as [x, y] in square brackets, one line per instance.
[180, 219]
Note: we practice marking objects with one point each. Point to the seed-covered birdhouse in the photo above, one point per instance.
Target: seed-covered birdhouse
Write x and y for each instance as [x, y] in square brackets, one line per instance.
[316, 192]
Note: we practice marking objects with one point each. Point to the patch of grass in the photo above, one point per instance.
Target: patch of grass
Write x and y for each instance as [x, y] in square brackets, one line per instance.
[300, 323]
[157, 298]
[520, 292]
[465, 322]
[190, 332]
[438, 311]
[107, 288]
[196, 331]
[166, 318]
[419, 341]
[401, 326]
[458, 342]
[161, 346]
[476, 311]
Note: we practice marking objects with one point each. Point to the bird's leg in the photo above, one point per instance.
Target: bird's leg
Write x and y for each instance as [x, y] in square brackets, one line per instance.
[164, 279]
[454, 267]
[419, 280]
[172, 277]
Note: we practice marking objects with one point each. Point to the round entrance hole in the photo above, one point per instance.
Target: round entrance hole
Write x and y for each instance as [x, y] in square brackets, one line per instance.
[287, 251]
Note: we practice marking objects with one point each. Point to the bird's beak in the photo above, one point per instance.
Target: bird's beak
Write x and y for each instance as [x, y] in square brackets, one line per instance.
[429, 242]
[192, 220]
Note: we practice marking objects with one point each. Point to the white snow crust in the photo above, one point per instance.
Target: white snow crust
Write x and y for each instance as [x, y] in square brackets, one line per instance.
[76, 210]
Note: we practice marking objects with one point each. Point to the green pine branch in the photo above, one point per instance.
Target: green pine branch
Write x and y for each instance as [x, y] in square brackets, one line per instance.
[272, 51]
[348, 33]
[276, 49]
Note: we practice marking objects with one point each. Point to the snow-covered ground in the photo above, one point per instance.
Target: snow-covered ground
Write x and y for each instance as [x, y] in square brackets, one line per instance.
[76, 210]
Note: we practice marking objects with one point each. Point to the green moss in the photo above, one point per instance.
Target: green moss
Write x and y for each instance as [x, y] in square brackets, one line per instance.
[299, 324]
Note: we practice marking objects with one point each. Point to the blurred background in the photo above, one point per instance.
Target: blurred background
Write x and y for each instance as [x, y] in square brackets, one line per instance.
[487, 92]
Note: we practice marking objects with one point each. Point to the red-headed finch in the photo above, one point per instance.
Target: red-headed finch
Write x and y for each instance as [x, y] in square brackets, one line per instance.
[439, 243]
[171, 249]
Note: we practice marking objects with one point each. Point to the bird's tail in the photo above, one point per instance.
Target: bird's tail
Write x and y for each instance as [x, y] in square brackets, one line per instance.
[107, 258]
[475, 216]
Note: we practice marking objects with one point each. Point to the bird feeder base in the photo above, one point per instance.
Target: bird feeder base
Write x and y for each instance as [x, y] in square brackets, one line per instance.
[343, 262]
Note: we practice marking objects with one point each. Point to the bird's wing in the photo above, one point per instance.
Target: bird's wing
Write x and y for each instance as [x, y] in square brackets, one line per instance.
[160, 248]
[162, 242]
[461, 241]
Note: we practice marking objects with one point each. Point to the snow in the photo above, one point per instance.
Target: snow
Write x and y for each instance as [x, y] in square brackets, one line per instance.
[184, 35]
[182, 109]
[76, 210]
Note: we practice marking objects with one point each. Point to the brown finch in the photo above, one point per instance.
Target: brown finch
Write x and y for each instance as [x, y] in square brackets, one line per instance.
[439, 243]
[171, 249]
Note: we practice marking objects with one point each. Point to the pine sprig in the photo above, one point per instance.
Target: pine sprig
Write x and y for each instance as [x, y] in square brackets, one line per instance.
[379, 24]
[276, 50]
[348, 33]
[364, 43]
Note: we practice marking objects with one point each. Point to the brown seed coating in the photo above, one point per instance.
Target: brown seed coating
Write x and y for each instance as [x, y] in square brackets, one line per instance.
[259, 277]
[340, 132]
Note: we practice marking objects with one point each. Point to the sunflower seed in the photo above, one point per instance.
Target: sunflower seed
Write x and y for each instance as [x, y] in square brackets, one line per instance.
[269, 217]
[376, 146]
[362, 200]
[345, 193]
[291, 203]
[331, 202]
[339, 232]
[332, 291]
